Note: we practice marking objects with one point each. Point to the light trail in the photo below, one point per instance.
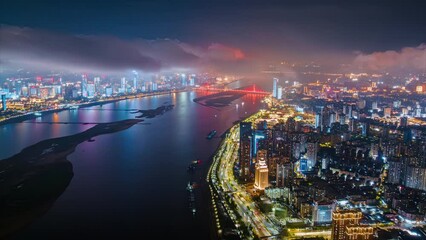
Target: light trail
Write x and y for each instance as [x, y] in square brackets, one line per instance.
[222, 178]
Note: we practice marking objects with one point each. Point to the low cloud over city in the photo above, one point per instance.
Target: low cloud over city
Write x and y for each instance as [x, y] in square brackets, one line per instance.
[47, 50]
[408, 58]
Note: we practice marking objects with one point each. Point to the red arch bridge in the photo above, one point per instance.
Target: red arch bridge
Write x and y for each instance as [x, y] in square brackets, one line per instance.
[251, 89]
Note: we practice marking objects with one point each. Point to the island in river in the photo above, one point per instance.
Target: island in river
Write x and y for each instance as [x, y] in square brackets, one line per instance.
[218, 100]
[33, 179]
[151, 113]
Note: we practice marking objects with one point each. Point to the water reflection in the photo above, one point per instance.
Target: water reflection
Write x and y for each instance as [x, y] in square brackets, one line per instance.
[33, 179]
[130, 183]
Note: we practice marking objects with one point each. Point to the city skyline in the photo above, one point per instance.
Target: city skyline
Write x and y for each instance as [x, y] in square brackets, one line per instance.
[284, 120]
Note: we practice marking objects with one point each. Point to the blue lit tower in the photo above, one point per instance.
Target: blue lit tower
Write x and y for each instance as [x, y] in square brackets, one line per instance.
[84, 85]
[183, 76]
[135, 80]
[192, 80]
[3, 101]
[123, 86]
[257, 136]
[275, 87]
[279, 93]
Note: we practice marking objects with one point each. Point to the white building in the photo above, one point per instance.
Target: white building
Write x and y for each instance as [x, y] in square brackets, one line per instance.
[261, 175]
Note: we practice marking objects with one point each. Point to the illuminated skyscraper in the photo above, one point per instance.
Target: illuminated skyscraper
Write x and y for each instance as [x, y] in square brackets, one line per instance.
[154, 86]
[123, 85]
[192, 80]
[108, 91]
[342, 219]
[3, 101]
[279, 92]
[274, 87]
[183, 76]
[261, 175]
[97, 82]
[245, 157]
[311, 154]
[284, 173]
[91, 90]
[245, 149]
[135, 80]
[318, 120]
[257, 136]
[84, 85]
[44, 92]
[415, 177]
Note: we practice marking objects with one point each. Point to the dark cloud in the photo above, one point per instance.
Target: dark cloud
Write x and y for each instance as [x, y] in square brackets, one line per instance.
[43, 49]
[49, 50]
[407, 59]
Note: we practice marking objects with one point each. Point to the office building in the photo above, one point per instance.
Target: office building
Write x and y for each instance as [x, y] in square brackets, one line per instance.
[274, 87]
[342, 219]
[84, 85]
[97, 82]
[192, 80]
[245, 157]
[123, 85]
[91, 90]
[279, 92]
[318, 120]
[311, 154]
[284, 173]
[359, 232]
[257, 136]
[183, 79]
[245, 153]
[261, 175]
[135, 81]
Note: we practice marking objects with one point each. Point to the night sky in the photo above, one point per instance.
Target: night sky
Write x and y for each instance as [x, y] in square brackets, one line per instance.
[330, 31]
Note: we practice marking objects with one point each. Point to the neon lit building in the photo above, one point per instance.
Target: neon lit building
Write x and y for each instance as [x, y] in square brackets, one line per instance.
[360, 232]
[342, 219]
[261, 175]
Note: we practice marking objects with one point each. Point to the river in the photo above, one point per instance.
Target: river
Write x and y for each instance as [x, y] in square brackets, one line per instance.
[130, 184]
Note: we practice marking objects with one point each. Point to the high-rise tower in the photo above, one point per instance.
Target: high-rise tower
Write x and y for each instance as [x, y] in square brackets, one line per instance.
[3, 101]
[84, 85]
[275, 87]
[261, 175]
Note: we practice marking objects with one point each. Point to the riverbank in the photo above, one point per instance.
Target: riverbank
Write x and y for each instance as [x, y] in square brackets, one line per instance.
[29, 116]
[232, 207]
[223, 223]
